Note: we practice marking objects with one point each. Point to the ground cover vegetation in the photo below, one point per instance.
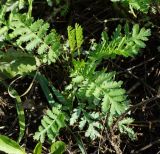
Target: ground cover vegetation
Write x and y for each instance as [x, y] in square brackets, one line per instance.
[79, 76]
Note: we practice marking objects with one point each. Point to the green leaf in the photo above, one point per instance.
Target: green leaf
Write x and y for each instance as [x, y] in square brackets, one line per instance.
[92, 132]
[51, 124]
[72, 38]
[15, 63]
[20, 112]
[79, 35]
[75, 115]
[35, 37]
[127, 44]
[123, 126]
[58, 147]
[45, 87]
[80, 143]
[59, 96]
[38, 148]
[21, 4]
[9, 146]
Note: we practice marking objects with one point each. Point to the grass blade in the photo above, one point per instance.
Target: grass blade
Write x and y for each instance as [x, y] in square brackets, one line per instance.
[10, 146]
[20, 112]
[45, 87]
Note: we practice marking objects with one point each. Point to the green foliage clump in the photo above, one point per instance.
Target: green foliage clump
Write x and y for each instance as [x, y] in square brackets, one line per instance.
[35, 45]
[94, 99]
[98, 94]
[95, 95]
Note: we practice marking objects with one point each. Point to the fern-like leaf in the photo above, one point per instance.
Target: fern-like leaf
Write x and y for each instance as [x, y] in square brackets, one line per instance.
[52, 122]
[3, 33]
[72, 38]
[75, 116]
[79, 35]
[103, 87]
[125, 129]
[34, 36]
[127, 45]
[75, 37]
